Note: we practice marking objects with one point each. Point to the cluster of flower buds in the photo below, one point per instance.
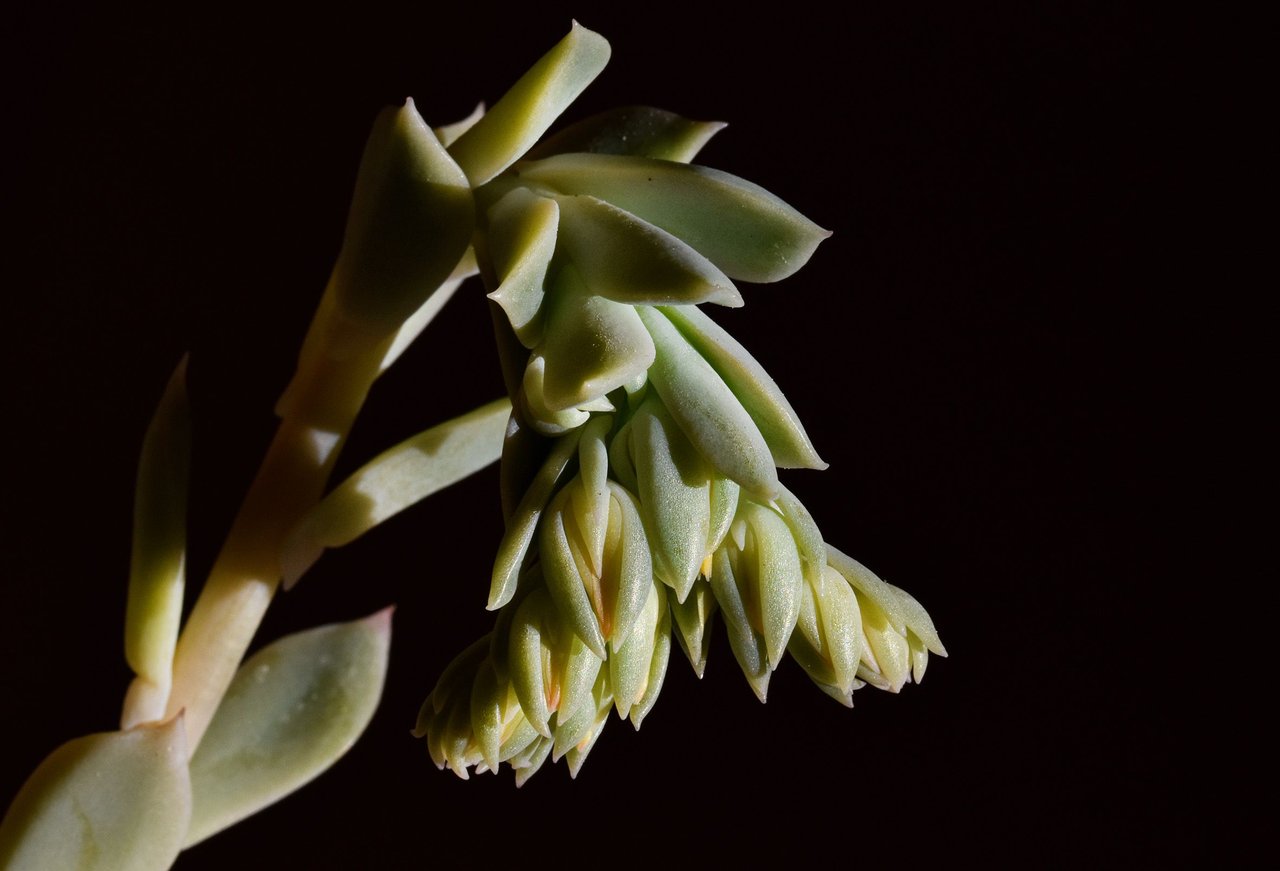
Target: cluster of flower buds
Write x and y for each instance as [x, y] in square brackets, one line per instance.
[643, 454]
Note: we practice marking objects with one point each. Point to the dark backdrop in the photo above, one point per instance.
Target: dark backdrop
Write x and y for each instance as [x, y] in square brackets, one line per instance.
[986, 351]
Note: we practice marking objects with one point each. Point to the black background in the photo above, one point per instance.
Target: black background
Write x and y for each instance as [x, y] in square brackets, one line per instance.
[989, 352]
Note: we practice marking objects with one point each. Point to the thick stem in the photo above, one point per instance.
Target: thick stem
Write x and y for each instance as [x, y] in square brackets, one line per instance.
[326, 394]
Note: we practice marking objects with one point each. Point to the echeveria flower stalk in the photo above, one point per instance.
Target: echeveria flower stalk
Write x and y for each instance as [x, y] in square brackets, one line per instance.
[656, 502]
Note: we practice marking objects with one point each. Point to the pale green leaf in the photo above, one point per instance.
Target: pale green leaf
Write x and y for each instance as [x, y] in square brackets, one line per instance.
[395, 479]
[675, 495]
[114, 801]
[158, 571]
[523, 523]
[592, 345]
[739, 226]
[411, 221]
[523, 228]
[294, 708]
[747, 645]
[642, 131]
[771, 564]
[534, 102]
[693, 622]
[706, 409]
[629, 260]
[755, 389]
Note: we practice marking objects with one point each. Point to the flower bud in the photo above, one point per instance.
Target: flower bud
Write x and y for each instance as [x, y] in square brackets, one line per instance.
[828, 641]
[898, 632]
[599, 605]
[552, 671]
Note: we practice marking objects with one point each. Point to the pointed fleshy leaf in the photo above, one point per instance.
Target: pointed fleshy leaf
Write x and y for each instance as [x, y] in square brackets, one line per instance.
[918, 621]
[591, 502]
[739, 226]
[294, 708]
[724, 507]
[631, 656]
[395, 479]
[534, 634]
[528, 763]
[626, 259]
[523, 228]
[642, 131]
[869, 584]
[747, 645]
[411, 220]
[886, 651]
[657, 665]
[919, 656]
[114, 801]
[489, 711]
[592, 345]
[675, 496]
[158, 572]
[708, 412]
[567, 573]
[523, 523]
[807, 535]
[534, 102]
[693, 623]
[755, 389]
[827, 641]
[771, 565]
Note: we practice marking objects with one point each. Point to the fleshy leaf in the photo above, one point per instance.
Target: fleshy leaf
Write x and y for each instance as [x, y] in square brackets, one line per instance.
[758, 393]
[294, 708]
[449, 133]
[394, 480]
[626, 259]
[739, 226]
[708, 412]
[693, 619]
[675, 496]
[770, 565]
[411, 221]
[524, 521]
[522, 237]
[642, 131]
[593, 345]
[114, 801]
[747, 645]
[532, 105]
[631, 656]
[158, 571]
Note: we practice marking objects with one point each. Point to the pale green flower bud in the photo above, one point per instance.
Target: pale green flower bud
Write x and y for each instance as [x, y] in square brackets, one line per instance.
[599, 605]
[828, 640]
[898, 632]
[551, 670]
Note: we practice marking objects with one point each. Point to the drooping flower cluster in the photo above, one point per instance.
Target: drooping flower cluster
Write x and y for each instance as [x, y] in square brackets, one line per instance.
[643, 455]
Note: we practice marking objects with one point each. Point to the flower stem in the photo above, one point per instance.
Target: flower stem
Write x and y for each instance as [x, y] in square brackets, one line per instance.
[320, 407]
